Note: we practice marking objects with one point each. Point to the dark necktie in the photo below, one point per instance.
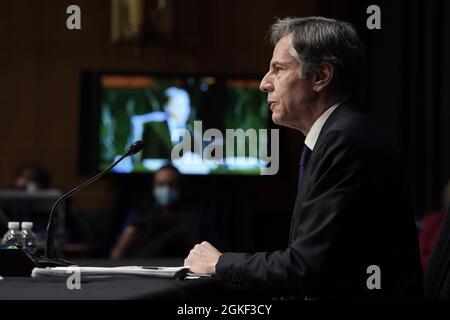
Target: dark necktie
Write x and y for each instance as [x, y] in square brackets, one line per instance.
[306, 153]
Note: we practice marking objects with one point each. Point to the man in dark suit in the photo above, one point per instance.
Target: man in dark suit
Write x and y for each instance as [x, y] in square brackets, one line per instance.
[352, 232]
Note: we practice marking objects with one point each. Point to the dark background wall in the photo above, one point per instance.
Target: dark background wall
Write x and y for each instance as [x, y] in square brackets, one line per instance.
[41, 60]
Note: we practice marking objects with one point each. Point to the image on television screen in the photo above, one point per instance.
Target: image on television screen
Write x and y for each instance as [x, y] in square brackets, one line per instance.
[172, 115]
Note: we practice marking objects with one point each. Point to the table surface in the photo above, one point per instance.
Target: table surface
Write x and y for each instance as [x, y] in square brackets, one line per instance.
[114, 287]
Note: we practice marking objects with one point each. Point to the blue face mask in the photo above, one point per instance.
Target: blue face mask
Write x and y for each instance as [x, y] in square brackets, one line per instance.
[165, 195]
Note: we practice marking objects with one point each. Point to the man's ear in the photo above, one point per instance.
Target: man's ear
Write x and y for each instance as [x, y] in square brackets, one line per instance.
[323, 76]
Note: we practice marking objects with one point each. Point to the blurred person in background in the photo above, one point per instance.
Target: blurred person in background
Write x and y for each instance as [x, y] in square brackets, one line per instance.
[169, 228]
[31, 177]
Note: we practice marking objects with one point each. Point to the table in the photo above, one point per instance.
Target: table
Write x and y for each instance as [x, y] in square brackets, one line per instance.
[116, 288]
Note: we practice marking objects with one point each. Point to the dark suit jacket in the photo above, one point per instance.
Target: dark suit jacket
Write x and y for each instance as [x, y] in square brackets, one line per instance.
[159, 144]
[351, 212]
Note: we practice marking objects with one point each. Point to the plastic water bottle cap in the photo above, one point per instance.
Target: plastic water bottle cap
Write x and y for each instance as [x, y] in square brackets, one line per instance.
[13, 225]
[27, 225]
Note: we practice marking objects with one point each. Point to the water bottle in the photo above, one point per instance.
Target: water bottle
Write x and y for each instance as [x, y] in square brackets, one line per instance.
[29, 239]
[12, 238]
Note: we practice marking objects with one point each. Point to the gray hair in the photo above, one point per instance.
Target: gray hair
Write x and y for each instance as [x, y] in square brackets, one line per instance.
[316, 40]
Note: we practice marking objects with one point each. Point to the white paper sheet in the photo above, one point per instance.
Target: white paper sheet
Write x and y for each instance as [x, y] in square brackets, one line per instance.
[146, 271]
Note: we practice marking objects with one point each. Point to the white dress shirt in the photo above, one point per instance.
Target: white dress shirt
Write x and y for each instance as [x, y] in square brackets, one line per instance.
[313, 134]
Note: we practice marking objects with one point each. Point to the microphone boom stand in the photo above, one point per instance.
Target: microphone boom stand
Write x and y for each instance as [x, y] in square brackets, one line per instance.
[48, 260]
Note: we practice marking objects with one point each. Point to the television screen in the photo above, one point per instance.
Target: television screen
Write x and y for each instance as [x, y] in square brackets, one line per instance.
[200, 124]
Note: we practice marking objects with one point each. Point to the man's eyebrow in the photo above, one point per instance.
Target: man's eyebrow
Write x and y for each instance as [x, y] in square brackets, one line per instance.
[278, 64]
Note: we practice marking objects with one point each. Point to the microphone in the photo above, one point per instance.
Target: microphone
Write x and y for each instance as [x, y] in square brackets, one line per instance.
[48, 260]
[134, 148]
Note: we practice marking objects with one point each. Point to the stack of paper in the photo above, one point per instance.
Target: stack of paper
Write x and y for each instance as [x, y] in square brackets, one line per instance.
[159, 272]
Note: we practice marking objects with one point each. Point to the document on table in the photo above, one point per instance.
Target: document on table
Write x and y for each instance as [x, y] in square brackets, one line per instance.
[145, 271]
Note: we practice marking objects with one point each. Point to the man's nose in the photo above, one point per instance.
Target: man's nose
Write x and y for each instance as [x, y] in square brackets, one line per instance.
[266, 85]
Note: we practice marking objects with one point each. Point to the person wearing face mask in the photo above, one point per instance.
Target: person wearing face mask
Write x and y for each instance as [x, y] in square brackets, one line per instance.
[165, 196]
[169, 229]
